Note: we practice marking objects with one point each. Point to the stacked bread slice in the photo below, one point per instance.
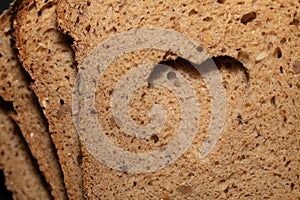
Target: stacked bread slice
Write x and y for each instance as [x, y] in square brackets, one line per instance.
[47, 46]
[15, 88]
[53, 71]
[22, 176]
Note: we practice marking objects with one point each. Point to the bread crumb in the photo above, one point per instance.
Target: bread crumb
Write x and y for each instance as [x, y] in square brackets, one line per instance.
[261, 56]
[44, 102]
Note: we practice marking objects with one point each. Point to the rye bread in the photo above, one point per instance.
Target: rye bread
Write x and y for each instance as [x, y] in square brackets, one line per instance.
[47, 57]
[15, 88]
[258, 153]
[22, 176]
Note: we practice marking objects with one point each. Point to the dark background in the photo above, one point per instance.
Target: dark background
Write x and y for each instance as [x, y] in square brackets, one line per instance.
[4, 194]
[4, 4]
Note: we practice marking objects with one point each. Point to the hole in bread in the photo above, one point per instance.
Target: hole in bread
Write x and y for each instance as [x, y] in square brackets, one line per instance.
[295, 22]
[179, 64]
[233, 71]
[248, 18]
[240, 119]
[282, 41]
[31, 6]
[221, 1]
[278, 52]
[273, 101]
[281, 70]
[292, 186]
[44, 8]
[134, 183]
[207, 19]
[226, 190]
[155, 138]
[88, 28]
[193, 12]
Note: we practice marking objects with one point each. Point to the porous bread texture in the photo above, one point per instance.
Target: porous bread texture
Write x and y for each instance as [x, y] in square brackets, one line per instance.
[46, 56]
[15, 88]
[257, 155]
[22, 176]
[144, 98]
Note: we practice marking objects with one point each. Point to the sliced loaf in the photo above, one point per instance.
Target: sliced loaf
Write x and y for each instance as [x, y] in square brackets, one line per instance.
[15, 88]
[47, 57]
[258, 56]
[22, 176]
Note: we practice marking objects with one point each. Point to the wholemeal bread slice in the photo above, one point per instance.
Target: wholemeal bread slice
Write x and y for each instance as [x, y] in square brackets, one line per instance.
[47, 57]
[15, 88]
[22, 176]
[257, 155]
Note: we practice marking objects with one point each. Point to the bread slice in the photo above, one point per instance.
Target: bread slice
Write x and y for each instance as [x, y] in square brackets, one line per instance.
[15, 88]
[257, 155]
[22, 176]
[47, 57]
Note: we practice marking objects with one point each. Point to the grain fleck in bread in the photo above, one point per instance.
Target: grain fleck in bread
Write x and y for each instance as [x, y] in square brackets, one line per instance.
[15, 88]
[47, 57]
[258, 153]
[22, 176]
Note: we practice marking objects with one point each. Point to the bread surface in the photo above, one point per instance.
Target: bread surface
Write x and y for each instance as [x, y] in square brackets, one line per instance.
[258, 56]
[21, 173]
[15, 88]
[47, 57]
